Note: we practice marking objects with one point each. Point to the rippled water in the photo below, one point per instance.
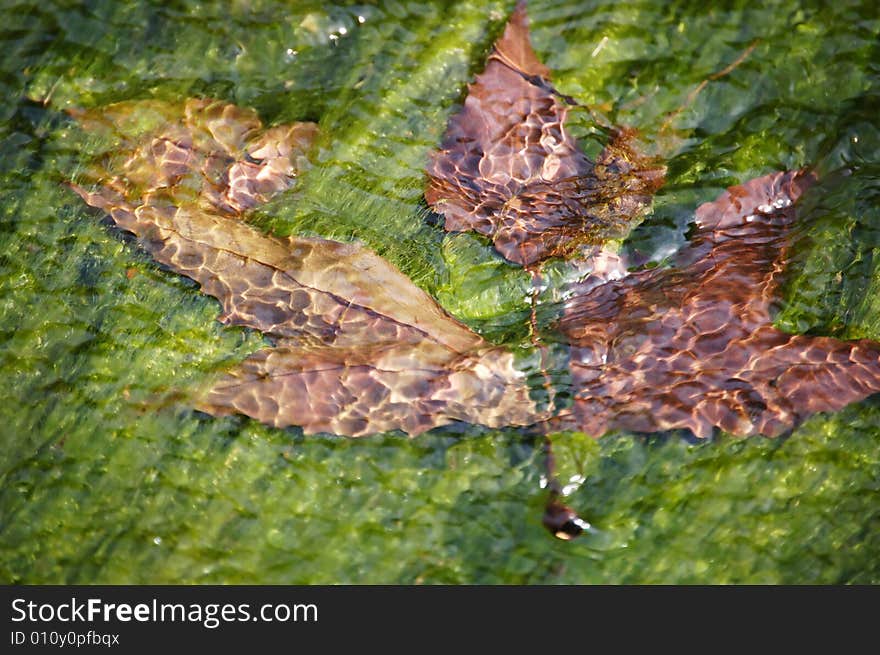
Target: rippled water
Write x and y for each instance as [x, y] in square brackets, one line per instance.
[97, 486]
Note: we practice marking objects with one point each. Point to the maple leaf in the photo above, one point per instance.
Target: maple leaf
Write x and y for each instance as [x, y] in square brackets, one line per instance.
[509, 169]
[693, 345]
[358, 348]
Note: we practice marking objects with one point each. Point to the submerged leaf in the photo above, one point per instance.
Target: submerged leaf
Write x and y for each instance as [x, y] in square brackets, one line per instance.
[509, 169]
[693, 346]
[359, 349]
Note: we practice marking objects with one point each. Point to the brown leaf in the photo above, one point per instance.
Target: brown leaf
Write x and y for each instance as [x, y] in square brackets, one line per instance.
[693, 346]
[373, 388]
[359, 349]
[509, 169]
[202, 154]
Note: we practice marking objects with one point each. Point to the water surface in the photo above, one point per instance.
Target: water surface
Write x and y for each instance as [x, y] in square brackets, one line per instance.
[97, 485]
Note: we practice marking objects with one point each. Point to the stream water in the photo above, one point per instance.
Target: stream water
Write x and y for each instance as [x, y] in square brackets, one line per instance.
[97, 486]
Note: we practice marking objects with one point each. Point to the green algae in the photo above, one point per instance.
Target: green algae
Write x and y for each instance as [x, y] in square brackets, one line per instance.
[100, 482]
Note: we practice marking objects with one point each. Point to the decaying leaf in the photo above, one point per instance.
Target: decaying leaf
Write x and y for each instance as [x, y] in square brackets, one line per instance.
[208, 155]
[509, 169]
[359, 349]
[693, 345]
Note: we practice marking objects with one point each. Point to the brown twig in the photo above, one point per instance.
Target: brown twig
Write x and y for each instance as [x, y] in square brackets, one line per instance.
[562, 521]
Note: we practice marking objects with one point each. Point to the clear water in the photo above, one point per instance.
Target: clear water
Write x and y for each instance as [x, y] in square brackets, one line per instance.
[98, 486]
